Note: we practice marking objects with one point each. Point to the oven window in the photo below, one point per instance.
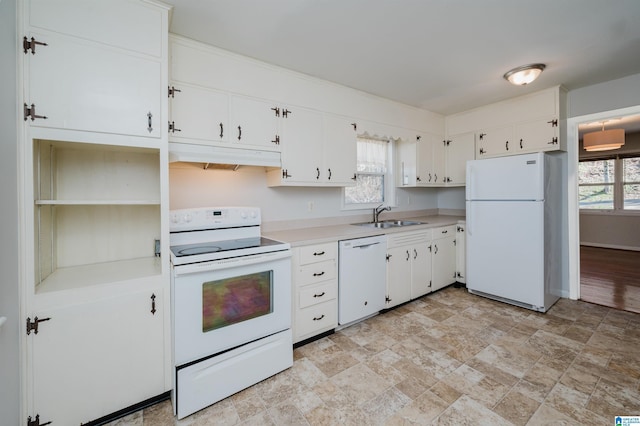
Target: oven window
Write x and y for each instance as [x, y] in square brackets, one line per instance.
[233, 300]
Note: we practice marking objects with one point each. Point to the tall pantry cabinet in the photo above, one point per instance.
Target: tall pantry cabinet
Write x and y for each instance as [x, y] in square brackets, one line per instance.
[94, 184]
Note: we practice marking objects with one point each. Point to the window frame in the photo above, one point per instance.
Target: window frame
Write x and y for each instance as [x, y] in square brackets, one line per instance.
[389, 193]
[618, 186]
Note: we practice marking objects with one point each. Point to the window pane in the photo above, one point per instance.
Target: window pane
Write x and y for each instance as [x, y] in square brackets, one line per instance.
[600, 171]
[632, 197]
[372, 156]
[368, 189]
[596, 197]
[631, 169]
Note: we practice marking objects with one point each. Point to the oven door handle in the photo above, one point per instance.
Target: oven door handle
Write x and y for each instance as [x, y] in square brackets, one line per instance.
[232, 262]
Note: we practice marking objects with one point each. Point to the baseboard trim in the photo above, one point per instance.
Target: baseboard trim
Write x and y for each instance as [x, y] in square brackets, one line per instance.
[610, 246]
[129, 410]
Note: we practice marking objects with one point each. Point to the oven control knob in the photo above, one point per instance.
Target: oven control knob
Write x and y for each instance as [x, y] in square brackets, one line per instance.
[253, 214]
[187, 218]
[174, 218]
[243, 214]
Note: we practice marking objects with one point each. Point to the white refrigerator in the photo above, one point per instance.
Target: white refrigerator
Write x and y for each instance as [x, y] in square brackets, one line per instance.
[514, 214]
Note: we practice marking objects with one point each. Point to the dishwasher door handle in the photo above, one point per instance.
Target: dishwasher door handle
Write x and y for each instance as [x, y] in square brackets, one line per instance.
[364, 246]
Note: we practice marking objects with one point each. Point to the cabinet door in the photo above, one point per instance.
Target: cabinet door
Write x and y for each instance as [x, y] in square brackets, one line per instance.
[254, 122]
[339, 150]
[498, 141]
[301, 145]
[424, 157]
[198, 114]
[79, 85]
[540, 135]
[407, 162]
[420, 270]
[92, 359]
[439, 160]
[398, 276]
[444, 262]
[460, 149]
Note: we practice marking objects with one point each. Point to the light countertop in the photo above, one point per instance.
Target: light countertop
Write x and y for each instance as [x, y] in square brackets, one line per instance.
[332, 233]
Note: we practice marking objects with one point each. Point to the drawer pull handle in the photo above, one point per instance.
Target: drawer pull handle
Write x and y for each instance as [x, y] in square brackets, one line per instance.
[318, 318]
[319, 295]
[318, 274]
[318, 253]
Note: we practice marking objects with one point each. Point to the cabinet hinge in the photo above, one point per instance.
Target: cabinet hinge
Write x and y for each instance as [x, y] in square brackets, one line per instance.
[553, 141]
[30, 44]
[36, 421]
[285, 174]
[446, 142]
[389, 257]
[276, 140]
[355, 126]
[276, 110]
[285, 113]
[387, 299]
[459, 275]
[172, 91]
[30, 111]
[455, 242]
[33, 325]
[482, 151]
[418, 137]
[173, 128]
[460, 229]
[482, 135]
[554, 122]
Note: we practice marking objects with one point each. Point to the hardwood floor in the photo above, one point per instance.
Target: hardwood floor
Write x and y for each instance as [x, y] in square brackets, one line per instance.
[610, 277]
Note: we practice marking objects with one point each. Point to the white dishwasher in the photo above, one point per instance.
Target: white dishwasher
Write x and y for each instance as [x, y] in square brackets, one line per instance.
[362, 272]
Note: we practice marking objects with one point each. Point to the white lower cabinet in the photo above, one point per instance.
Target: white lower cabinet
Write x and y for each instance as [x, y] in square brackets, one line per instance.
[408, 266]
[443, 249]
[315, 290]
[94, 358]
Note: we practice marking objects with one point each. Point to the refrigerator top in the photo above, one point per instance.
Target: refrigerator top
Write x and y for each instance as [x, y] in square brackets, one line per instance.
[514, 178]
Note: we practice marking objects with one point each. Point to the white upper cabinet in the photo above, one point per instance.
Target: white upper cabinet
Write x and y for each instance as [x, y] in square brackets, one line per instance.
[198, 114]
[82, 75]
[529, 123]
[317, 150]
[254, 122]
[339, 150]
[460, 149]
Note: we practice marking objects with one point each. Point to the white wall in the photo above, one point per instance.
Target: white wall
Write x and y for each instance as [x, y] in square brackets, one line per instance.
[192, 186]
[615, 94]
[9, 293]
[606, 229]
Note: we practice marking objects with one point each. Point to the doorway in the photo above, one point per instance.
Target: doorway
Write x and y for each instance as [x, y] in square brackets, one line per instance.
[573, 225]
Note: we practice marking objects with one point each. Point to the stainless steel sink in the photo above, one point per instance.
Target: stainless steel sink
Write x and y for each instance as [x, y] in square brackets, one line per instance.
[389, 223]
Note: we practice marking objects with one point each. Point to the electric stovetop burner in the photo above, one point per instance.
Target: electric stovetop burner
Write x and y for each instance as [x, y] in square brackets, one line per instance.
[220, 246]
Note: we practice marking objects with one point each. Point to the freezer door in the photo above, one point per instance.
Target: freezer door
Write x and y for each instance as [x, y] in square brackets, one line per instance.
[505, 250]
[517, 177]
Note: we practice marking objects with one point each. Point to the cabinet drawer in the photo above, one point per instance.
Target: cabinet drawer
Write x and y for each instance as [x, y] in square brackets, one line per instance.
[318, 253]
[444, 232]
[312, 295]
[316, 319]
[316, 272]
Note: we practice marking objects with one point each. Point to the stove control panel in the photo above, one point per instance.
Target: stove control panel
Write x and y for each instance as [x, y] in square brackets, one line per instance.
[213, 218]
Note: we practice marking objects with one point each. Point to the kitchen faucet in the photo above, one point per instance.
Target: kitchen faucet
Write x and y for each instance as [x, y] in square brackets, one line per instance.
[378, 210]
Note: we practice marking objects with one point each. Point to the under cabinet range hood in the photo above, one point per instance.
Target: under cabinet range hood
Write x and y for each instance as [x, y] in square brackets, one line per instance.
[222, 157]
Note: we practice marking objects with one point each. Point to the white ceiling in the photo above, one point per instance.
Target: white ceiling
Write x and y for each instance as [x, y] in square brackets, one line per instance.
[445, 56]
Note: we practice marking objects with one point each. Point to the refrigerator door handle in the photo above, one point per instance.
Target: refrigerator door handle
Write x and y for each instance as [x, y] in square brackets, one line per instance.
[470, 220]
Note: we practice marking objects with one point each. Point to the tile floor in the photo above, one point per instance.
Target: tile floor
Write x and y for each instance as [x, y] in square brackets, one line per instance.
[450, 358]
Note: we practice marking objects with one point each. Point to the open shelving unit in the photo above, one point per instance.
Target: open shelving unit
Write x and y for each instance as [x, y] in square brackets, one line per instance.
[96, 214]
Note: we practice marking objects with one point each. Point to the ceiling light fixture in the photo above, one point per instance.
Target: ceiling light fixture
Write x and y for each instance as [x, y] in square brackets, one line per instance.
[524, 74]
[603, 140]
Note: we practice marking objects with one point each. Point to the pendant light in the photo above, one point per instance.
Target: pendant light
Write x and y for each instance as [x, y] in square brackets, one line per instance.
[524, 74]
[603, 140]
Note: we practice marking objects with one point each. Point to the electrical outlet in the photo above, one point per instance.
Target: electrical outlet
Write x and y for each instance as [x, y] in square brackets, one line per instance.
[310, 206]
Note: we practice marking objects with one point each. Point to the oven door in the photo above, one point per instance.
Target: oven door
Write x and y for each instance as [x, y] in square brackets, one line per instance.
[222, 304]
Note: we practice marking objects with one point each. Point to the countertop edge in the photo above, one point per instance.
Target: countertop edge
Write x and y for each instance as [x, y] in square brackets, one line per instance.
[334, 233]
